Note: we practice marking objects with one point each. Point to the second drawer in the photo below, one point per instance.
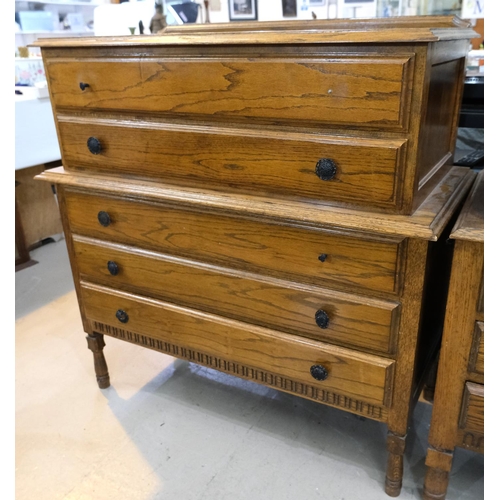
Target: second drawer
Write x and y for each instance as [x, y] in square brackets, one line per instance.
[334, 169]
[313, 312]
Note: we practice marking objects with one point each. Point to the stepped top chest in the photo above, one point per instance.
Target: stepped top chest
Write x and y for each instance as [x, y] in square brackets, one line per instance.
[267, 199]
[350, 113]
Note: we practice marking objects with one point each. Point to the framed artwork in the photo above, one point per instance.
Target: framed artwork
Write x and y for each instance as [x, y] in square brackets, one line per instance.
[242, 10]
[289, 8]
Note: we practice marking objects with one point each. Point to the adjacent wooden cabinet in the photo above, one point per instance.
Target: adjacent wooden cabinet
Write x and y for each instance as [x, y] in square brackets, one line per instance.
[458, 412]
[271, 200]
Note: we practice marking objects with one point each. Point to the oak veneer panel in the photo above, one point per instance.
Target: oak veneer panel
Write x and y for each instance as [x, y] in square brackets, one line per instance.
[241, 244]
[357, 375]
[438, 127]
[368, 170]
[361, 91]
[355, 321]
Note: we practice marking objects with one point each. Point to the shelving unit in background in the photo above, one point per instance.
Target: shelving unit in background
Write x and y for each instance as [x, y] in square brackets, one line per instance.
[59, 10]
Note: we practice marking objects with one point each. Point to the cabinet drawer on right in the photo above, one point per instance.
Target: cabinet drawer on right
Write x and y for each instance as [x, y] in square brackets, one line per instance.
[472, 414]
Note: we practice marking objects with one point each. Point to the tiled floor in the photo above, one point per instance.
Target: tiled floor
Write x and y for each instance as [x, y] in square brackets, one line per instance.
[168, 429]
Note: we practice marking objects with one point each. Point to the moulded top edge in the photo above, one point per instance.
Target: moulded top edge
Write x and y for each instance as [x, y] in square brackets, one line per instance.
[375, 30]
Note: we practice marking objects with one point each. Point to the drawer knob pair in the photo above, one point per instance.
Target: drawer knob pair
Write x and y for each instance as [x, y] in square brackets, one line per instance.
[326, 169]
[319, 372]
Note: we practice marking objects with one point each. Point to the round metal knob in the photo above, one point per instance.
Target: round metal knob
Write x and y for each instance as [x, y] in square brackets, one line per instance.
[122, 316]
[112, 268]
[319, 372]
[104, 218]
[322, 257]
[84, 86]
[94, 145]
[322, 319]
[326, 169]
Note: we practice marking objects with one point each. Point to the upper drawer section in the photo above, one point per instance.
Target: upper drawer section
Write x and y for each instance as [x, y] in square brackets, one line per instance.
[317, 167]
[353, 91]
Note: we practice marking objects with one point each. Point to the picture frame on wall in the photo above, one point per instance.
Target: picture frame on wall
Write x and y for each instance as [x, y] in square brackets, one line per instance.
[242, 10]
[289, 8]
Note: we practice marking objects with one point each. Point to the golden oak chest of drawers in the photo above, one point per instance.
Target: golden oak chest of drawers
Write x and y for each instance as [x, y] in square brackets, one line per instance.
[260, 198]
[458, 412]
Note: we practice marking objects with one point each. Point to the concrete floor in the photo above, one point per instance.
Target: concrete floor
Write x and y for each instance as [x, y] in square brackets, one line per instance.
[168, 429]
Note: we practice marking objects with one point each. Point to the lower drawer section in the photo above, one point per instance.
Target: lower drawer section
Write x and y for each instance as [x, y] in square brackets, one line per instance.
[352, 321]
[358, 382]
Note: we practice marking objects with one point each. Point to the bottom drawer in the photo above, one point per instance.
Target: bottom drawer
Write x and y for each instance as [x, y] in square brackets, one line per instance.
[332, 374]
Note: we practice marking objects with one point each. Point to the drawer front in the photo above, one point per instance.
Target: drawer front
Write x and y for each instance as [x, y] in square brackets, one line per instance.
[316, 257]
[472, 414]
[315, 167]
[360, 91]
[476, 363]
[361, 376]
[307, 311]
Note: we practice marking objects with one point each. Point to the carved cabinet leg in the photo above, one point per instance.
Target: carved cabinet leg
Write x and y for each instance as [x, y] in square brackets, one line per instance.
[437, 474]
[96, 345]
[394, 474]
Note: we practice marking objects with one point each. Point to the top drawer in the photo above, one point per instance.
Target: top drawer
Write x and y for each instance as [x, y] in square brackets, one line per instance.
[359, 91]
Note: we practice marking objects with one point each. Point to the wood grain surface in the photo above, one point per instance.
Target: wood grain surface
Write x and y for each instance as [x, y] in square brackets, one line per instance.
[242, 244]
[385, 30]
[426, 223]
[358, 375]
[470, 225]
[360, 91]
[354, 321]
[369, 171]
[458, 412]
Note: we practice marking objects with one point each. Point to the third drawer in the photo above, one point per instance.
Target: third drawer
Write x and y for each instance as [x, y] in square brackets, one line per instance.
[325, 315]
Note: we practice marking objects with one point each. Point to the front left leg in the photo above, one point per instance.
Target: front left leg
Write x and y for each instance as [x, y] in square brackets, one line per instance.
[96, 344]
[394, 473]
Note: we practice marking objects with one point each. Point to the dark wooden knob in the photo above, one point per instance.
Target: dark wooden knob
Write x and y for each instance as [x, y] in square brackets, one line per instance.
[94, 145]
[326, 169]
[104, 218]
[84, 86]
[322, 257]
[322, 319]
[122, 316]
[319, 372]
[113, 268]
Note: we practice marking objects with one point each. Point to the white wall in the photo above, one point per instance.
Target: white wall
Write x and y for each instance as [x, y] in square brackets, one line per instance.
[272, 10]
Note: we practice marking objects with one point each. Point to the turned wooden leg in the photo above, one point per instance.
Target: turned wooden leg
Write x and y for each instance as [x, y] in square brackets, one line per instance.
[437, 475]
[96, 345]
[394, 474]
